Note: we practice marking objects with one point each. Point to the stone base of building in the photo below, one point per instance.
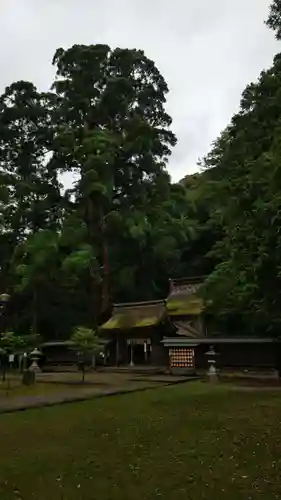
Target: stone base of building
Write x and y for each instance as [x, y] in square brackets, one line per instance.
[182, 371]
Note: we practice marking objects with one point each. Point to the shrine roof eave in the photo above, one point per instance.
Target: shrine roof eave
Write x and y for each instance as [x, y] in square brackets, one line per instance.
[185, 341]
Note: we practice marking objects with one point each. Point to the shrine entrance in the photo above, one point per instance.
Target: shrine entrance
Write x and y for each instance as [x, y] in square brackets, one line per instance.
[139, 351]
[135, 332]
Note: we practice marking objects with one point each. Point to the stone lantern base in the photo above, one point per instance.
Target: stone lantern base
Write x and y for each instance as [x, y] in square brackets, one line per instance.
[34, 367]
[213, 378]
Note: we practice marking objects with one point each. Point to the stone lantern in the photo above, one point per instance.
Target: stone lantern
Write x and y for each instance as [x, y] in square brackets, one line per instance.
[4, 299]
[212, 371]
[35, 356]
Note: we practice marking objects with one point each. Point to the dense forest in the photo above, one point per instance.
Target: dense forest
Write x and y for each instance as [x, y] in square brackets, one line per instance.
[124, 229]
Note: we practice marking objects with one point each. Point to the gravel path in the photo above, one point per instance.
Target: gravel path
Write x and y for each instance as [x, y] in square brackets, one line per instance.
[133, 384]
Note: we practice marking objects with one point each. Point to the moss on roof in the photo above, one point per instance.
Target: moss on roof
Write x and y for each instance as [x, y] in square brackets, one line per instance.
[185, 306]
[183, 299]
[138, 315]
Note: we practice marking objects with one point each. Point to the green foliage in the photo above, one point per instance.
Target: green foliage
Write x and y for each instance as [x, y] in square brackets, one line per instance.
[116, 136]
[112, 104]
[149, 245]
[10, 343]
[29, 182]
[86, 343]
[244, 168]
[85, 340]
[274, 18]
[124, 229]
[35, 257]
[79, 261]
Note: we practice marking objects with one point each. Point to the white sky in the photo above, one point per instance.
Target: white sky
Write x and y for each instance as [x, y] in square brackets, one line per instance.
[207, 50]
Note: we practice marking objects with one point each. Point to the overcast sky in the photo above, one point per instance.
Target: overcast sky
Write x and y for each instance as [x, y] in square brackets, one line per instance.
[207, 50]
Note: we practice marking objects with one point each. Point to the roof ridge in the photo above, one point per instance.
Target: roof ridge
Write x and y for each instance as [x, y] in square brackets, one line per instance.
[187, 280]
[129, 305]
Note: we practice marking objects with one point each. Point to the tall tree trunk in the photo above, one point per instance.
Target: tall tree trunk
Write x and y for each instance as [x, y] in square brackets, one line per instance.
[34, 311]
[94, 364]
[105, 293]
[94, 296]
[96, 231]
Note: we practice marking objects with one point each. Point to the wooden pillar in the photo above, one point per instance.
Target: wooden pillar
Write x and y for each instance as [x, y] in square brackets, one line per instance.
[200, 325]
[145, 347]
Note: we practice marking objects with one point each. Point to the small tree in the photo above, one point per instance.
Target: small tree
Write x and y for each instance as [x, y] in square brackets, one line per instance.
[86, 343]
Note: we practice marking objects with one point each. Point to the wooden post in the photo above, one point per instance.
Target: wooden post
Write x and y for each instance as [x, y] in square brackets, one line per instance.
[145, 351]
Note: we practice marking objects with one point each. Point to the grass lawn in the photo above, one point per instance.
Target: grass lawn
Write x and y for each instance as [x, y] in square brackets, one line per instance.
[190, 441]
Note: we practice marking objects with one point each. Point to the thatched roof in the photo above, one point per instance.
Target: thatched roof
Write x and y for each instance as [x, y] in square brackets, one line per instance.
[136, 315]
[183, 299]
